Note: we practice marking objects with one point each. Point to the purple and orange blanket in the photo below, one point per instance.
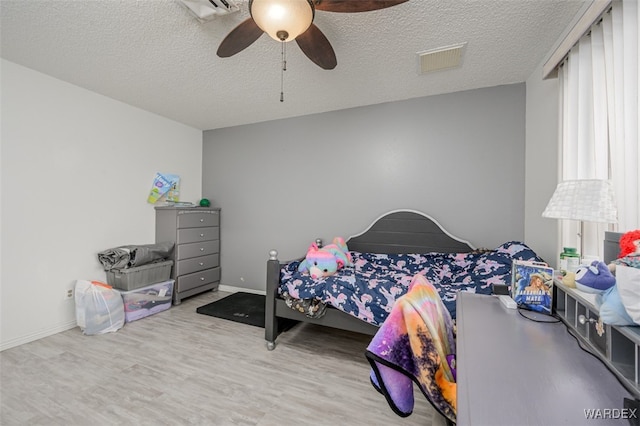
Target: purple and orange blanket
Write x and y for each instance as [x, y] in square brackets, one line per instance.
[416, 344]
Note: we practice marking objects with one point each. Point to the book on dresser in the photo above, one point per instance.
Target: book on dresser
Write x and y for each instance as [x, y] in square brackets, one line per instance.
[532, 285]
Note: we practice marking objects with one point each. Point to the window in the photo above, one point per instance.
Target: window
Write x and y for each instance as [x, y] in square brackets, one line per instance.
[599, 117]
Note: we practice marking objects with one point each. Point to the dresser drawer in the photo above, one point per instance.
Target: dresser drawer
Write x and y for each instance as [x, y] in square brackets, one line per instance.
[195, 219]
[196, 264]
[186, 251]
[187, 282]
[192, 235]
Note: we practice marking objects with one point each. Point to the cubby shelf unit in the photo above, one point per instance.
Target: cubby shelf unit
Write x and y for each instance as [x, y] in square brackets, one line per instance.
[618, 347]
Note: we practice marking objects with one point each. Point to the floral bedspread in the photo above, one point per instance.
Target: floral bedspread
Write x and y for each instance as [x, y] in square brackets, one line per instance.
[369, 288]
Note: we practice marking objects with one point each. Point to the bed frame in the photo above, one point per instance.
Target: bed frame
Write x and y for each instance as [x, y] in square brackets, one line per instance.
[396, 232]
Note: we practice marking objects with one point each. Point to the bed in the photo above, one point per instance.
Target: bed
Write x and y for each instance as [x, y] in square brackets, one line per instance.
[386, 256]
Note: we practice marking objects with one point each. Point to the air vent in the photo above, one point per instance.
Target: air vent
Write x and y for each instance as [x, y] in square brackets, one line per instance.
[206, 10]
[440, 58]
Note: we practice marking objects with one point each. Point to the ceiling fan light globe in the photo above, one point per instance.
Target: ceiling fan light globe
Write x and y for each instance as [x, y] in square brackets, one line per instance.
[277, 16]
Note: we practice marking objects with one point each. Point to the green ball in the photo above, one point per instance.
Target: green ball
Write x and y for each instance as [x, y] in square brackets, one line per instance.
[205, 203]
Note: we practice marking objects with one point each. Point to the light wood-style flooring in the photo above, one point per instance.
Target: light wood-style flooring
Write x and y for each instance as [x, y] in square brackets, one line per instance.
[182, 368]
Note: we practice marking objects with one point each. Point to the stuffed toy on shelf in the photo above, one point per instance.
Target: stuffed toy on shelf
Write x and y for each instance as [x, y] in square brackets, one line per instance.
[327, 260]
[597, 279]
[627, 271]
[617, 296]
[629, 251]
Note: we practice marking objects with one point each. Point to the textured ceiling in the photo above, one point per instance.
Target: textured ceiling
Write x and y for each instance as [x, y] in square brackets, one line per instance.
[153, 54]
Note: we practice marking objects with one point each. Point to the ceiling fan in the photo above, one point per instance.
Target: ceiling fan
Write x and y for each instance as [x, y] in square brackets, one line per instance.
[288, 20]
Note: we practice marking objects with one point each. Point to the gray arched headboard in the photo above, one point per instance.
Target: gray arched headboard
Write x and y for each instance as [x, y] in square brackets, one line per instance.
[407, 231]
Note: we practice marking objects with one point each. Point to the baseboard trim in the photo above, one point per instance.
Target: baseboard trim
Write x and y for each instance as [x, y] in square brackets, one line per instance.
[72, 324]
[12, 343]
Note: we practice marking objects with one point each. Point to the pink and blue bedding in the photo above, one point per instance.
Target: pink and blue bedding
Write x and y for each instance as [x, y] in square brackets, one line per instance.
[368, 289]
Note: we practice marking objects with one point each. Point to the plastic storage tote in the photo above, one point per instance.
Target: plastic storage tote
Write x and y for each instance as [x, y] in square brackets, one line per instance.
[149, 300]
[139, 276]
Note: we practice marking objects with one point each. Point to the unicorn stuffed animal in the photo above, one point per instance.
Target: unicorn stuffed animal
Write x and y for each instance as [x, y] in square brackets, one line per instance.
[325, 261]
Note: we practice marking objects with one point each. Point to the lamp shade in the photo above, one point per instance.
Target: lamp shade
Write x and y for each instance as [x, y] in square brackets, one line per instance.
[283, 20]
[589, 200]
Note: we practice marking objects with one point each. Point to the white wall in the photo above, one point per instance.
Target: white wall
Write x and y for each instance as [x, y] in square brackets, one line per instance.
[76, 170]
[281, 184]
[542, 151]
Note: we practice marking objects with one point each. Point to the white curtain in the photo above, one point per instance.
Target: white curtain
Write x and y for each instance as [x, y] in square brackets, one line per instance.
[599, 116]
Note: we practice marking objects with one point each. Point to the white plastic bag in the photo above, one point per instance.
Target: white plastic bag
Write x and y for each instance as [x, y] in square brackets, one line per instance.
[99, 308]
[628, 282]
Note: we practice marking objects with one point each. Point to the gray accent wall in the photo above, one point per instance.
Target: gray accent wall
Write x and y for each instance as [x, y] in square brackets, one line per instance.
[458, 157]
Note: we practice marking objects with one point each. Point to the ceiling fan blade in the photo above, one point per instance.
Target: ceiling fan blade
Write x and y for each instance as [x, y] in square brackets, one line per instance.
[315, 45]
[239, 38]
[351, 6]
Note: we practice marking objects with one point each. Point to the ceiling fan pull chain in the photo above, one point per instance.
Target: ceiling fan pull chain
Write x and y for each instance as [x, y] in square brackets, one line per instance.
[284, 68]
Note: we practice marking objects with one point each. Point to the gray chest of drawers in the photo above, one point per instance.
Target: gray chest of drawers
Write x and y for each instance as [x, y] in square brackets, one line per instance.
[196, 255]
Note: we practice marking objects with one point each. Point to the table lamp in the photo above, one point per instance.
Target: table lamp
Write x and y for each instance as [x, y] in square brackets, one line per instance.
[586, 200]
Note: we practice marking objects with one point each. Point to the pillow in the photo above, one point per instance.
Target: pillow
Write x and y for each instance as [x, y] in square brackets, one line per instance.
[628, 283]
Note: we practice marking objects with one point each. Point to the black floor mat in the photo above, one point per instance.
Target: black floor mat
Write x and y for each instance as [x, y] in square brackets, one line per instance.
[247, 308]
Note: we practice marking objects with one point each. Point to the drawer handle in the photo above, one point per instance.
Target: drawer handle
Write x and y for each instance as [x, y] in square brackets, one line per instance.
[201, 248]
[201, 278]
[201, 220]
[202, 235]
[201, 263]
